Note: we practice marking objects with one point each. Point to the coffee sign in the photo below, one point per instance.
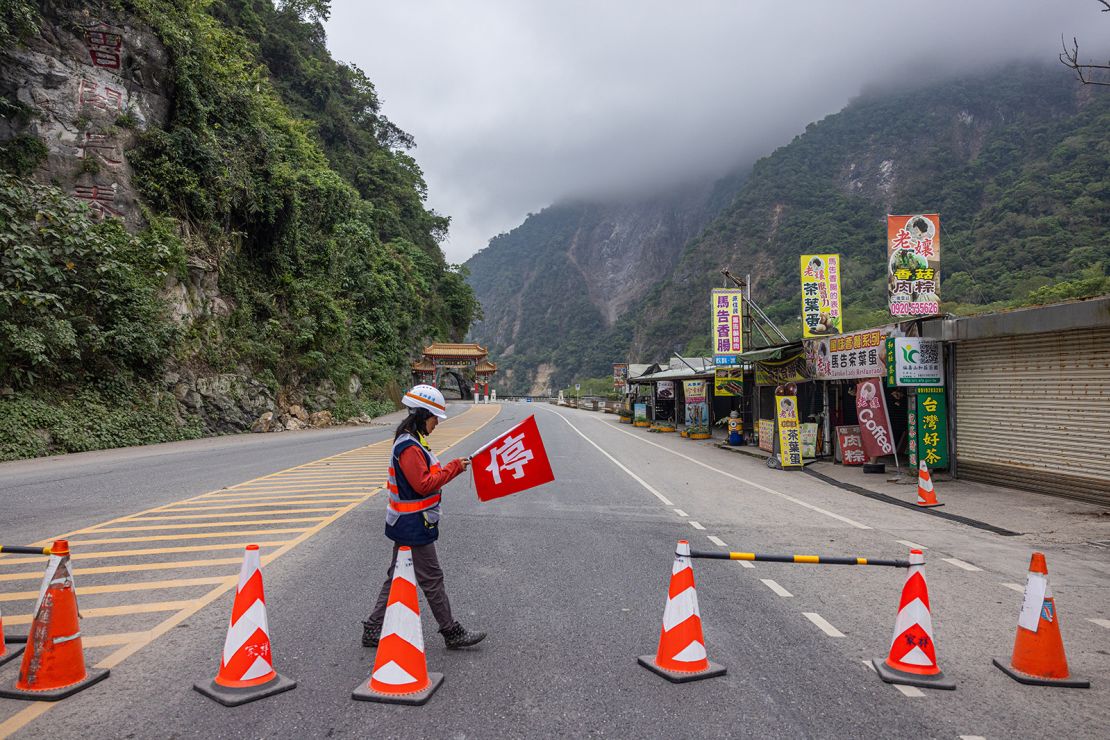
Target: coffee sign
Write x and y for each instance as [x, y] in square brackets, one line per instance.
[878, 439]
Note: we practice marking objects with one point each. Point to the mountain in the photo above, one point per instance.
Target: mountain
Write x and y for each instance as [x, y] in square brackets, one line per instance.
[1015, 160]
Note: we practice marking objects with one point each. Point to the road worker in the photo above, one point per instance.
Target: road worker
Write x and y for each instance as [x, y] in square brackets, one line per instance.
[412, 514]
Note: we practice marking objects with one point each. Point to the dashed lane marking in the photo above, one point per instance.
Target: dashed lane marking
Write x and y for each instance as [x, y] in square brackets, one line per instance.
[717, 541]
[774, 586]
[279, 511]
[1015, 587]
[696, 525]
[680, 512]
[1100, 622]
[961, 564]
[972, 737]
[727, 474]
[822, 624]
[666, 501]
[911, 545]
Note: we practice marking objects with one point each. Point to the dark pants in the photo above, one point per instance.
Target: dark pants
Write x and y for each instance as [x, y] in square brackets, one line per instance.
[430, 577]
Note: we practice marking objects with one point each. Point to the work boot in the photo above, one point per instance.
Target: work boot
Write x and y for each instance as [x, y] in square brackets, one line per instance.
[370, 634]
[457, 636]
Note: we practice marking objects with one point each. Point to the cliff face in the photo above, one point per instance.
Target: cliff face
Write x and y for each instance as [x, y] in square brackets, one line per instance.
[555, 289]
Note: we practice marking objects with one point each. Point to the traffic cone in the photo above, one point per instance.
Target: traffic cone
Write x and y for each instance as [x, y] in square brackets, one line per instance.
[54, 663]
[400, 674]
[681, 655]
[7, 652]
[913, 657]
[1039, 652]
[926, 497]
[246, 665]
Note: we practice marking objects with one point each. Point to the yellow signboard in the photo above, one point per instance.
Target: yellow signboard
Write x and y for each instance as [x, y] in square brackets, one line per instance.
[790, 435]
[728, 382]
[821, 314]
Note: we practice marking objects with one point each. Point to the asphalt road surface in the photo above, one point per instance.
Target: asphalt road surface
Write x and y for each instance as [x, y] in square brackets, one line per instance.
[569, 580]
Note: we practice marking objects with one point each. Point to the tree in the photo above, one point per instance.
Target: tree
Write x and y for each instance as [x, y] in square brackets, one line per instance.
[1088, 74]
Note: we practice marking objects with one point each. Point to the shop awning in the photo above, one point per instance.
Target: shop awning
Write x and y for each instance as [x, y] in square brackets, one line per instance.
[767, 354]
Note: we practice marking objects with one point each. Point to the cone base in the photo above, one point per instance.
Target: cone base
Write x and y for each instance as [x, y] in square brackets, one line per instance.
[13, 651]
[231, 697]
[1014, 673]
[893, 675]
[928, 506]
[714, 669]
[363, 692]
[92, 675]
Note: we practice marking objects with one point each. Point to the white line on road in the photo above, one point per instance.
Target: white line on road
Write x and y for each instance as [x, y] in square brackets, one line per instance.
[1015, 587]
[910, 691]
[746, 563]
[696, 525]
[911, 545]
[680, 512]
[716, 540]
[745, 481]
[961, 564]
[822, 625]
[972, 737]
[1100, 622]
[774, 586]
[616, 462]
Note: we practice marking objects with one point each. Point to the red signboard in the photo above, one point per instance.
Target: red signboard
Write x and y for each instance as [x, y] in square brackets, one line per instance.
[878, 439]
[850, 441]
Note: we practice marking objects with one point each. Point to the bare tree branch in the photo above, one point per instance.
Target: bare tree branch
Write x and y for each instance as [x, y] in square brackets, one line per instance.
[1088, 73]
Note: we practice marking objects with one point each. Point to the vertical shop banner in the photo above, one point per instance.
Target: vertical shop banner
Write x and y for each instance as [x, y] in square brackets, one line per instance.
[767, 435]
[878, 439]
[620, 375]
[728, 382]
[664, 400]
[639, 413]
[851, 445]
[918, 362]
[821, 313]
[913, 265]
[790, 435]
[727, 338]
[809, 440]
[697, 406]
[932, 427]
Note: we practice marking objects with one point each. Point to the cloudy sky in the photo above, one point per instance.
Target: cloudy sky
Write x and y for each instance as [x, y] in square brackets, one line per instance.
[516, 104]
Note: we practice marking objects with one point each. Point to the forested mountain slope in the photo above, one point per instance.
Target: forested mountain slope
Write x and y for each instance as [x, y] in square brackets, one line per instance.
[206, 217]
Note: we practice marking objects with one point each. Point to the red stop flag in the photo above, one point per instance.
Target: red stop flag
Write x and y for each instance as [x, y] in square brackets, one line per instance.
[513, 462]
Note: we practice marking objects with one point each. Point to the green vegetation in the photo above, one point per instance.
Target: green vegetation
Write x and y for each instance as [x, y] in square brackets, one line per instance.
[277, 168]
[596, 387]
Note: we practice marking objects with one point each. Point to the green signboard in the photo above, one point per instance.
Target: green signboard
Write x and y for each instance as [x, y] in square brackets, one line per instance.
[888, 354]
[932, 427]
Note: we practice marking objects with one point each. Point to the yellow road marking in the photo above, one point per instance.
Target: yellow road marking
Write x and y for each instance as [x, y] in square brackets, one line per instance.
[195, 536]
[114, 611]
[125, 587]
[238, 513]
[263, 502]
[133, 642]
[98, 529]
[118, 638]
[146, 551]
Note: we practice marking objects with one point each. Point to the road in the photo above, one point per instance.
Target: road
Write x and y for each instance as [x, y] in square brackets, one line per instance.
[569, 580]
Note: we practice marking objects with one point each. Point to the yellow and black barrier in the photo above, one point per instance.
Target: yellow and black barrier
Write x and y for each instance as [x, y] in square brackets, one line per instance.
[25, 550]
[809, 559]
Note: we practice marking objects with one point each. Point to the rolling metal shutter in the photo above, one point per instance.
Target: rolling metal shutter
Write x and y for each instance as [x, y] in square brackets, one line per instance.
[1033, 412]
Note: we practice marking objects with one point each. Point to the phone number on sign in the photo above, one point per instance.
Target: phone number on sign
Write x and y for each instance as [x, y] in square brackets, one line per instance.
[914, 309]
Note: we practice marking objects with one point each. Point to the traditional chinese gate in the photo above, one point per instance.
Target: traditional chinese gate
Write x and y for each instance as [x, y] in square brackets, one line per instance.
[465, 364]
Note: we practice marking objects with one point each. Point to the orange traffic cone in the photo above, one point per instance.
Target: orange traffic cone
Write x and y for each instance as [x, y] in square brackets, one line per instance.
[7, 652]
[246, 665]
[400, 674]
[925, 495]
[913, 651]
[681, 655]
[54, 662]
[1038, 647]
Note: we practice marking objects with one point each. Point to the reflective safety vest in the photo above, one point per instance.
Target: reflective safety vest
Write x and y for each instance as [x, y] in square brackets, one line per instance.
[403, 499]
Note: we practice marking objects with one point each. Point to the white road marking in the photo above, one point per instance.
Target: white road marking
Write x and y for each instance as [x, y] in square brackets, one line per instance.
[746, 563]
[1015, 587]
[911, 545]
[745, 481]
[972, 737]
[961, 564]
[910, 691]
[680, 512]
[716, 541]
[774, 586]
[1101, 622]
[638, 479]
[822, 624]
[696, 525]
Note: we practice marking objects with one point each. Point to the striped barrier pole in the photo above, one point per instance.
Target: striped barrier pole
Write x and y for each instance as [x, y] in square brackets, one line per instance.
[24, 550]
[810, 559]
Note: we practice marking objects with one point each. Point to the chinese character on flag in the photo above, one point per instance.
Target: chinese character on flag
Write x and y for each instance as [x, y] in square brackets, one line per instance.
[513, 462]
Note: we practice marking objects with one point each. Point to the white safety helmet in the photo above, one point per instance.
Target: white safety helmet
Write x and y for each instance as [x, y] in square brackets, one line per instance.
[426, 397]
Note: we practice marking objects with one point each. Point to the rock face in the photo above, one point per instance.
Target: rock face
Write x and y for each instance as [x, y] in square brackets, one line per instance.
[91, 81]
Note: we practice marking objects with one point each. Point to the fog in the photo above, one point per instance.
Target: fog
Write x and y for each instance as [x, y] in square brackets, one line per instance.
[516, 104]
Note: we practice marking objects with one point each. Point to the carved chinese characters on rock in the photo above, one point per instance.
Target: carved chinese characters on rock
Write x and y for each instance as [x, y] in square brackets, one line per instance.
[105, 46]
